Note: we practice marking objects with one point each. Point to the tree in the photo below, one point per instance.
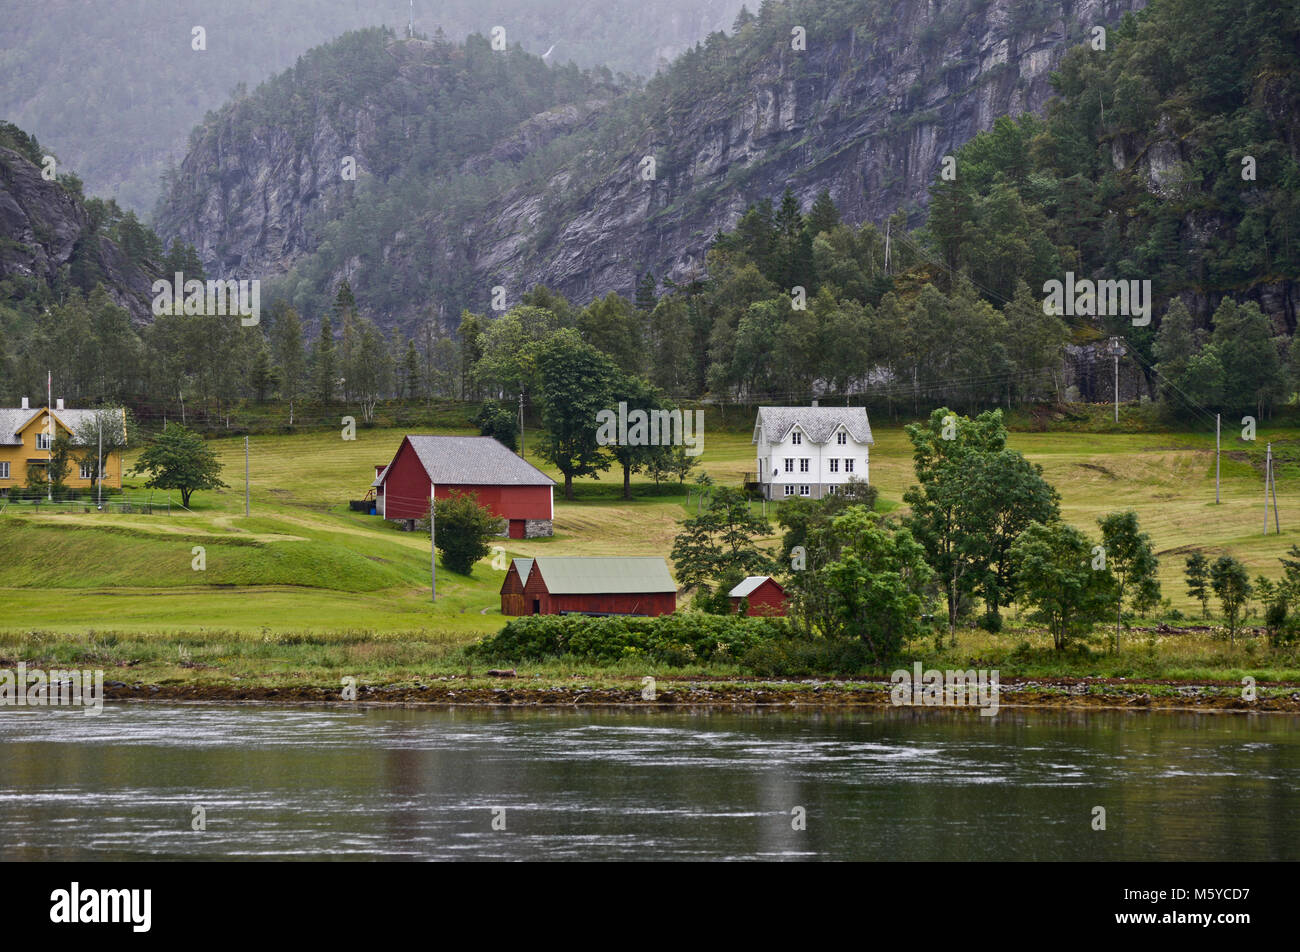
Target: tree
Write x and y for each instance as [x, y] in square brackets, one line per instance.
[99, 436]
[960, 513]
[869, 583]
[720, 542]
[463, 532]
[177, 458]
[286, 347]
[324, 368]
[823, 216]
[1055, 575]
[1231, 585]
[52, 474]
[1131, 560]
[498, 422]
[1197, 573]
[575, 382]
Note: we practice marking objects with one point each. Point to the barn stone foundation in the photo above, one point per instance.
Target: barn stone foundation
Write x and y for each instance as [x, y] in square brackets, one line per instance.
[538, 528]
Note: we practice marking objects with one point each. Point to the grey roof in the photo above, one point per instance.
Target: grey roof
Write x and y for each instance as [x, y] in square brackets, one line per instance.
[13, 419]
[380, 478]
[819, 423]
[523, 567]
[747, 586]
[473, 461]
[605, 575]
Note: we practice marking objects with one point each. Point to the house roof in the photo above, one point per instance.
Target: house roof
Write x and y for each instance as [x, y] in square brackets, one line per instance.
[818, 423]
[752, 582]
[605, 575]
[472, 461]
[380, 478]
[523, 567]
[14, 420]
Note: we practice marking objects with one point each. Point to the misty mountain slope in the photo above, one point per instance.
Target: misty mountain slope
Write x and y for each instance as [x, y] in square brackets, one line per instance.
[113, 86]
[881, 93]
[52, 239]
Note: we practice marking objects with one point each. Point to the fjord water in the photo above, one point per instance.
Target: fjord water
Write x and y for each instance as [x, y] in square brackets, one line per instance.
[391, 783]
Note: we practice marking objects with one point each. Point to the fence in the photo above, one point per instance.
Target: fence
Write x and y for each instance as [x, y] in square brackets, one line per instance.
[143, 504]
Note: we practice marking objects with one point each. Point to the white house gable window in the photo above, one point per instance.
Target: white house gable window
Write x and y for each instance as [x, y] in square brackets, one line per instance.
[796, 438]
[42, 441]
[842, 438]
[87, 470]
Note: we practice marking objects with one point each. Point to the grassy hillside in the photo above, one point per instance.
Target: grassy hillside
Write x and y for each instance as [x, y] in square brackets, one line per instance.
[304, 562]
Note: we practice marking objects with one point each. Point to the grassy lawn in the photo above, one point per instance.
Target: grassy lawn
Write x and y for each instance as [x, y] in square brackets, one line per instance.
[304, 563]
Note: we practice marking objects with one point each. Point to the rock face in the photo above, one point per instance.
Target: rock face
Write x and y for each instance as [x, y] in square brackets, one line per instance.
[868, 110]
[44, 227]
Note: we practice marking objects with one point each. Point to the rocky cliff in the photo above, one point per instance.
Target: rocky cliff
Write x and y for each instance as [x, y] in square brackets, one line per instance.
[47, 235]
[878, 95]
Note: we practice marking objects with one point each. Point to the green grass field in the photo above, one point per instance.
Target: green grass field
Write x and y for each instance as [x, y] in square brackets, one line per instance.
[303, 562]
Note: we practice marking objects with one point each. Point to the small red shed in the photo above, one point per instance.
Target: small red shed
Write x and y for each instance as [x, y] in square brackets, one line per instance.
[512, 488]
[764, 593]
[615, 585]
[512, 589]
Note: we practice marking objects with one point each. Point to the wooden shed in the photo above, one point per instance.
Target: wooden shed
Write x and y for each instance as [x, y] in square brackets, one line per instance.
[614, 585]
[512, 590]
[764, 596]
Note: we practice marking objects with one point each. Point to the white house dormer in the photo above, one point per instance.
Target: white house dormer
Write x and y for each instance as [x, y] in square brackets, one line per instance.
[810, 451]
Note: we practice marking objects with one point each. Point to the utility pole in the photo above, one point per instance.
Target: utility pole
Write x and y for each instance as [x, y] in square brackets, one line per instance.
[246, 503]
[433, 550]
[99, 468]
[1272, 482]
[521, 423]
[49, 434]
[1268, 466]
[888, 225]
[1218, 427]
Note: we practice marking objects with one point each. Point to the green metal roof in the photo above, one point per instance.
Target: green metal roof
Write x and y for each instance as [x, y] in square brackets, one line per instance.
[607, 575]
[523, 567]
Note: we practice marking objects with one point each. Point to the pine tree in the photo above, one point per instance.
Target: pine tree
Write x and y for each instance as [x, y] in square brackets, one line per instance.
[323, 363]
[823, 216]
[645, 292]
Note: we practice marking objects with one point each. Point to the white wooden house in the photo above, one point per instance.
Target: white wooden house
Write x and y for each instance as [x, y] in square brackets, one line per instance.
[810, 451]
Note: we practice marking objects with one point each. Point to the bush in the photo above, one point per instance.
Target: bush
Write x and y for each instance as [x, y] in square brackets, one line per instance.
[991, 622]
[678, 639]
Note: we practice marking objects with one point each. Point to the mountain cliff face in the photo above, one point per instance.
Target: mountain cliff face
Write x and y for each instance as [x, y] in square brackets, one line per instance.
[880, 94]
[48, 236]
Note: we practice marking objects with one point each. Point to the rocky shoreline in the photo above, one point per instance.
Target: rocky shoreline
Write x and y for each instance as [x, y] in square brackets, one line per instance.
[1066, 693]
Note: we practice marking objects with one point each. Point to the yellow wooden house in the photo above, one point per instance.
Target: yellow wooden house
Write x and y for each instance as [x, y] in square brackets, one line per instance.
[25, 437]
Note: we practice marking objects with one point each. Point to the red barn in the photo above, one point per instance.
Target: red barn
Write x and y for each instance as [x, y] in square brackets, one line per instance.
[765, 595]
[562, 585]
[505, 483]
[512, 589]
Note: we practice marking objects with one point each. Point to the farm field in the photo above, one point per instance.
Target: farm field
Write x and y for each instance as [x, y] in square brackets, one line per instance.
[304, 562]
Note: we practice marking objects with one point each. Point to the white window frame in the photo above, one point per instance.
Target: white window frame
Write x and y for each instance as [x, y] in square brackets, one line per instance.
[42, 440]
[789, 489]
[848, 464]
[789, 464]
[832, 489]
[4, 470]
[835, 465]
[805, 490]
[87, 470]
[841, 439]
[803, 464]
[796, 438]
